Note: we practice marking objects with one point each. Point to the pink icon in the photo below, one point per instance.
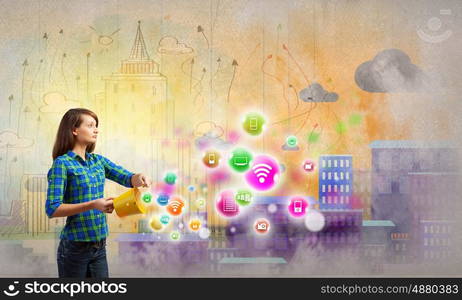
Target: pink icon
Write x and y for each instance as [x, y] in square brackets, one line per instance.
[308, 166]
[226, 205]
[297, 207]
[264, 173]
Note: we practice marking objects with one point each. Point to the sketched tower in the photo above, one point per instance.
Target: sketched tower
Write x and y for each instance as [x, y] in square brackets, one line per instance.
[135, 110]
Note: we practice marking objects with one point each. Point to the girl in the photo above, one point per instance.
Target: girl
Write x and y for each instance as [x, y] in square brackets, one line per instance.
[76, 191]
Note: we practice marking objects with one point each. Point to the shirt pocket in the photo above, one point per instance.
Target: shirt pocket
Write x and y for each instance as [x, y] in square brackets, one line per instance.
[99, 173]
[80, 177]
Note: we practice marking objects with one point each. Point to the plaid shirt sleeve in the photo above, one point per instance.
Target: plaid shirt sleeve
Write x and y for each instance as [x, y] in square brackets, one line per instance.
[57, 180]
[116, 173]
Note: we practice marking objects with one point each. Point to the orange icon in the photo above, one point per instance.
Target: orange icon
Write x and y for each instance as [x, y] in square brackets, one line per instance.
[211, 159]
[175, 206]
[195, 225]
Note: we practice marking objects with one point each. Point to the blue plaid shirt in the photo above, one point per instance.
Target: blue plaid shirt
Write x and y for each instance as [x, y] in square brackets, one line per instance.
[74, 180]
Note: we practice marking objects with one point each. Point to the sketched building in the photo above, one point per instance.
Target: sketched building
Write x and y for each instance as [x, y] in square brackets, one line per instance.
[392, 163]
[375, 243]
[437, 241]
[435, 206]
[33, 194]
[362, 190]
[341, 233]
[335, 182]
[135, 109]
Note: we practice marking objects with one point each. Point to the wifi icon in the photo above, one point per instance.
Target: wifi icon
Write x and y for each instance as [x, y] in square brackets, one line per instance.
[264, 173]
[175, 206]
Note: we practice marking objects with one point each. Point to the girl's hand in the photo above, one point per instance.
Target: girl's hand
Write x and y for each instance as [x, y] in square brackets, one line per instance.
[141, 180]
[105, 205]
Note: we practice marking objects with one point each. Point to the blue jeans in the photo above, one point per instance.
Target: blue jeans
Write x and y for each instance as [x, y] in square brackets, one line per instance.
[82, 259]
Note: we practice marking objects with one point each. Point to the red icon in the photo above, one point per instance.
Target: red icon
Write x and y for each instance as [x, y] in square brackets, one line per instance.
[308, 166]
[262, 226]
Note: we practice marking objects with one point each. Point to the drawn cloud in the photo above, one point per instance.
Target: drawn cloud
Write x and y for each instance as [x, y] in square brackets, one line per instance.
[316, 93]
[56, 102]
[12, 140]
[210, 140]
[170, 45]
[391, 70]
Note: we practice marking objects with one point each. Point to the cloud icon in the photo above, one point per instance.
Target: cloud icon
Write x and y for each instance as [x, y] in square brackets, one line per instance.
[206, 127]
[210, 140]
[56, 102]
[391, 70]
[316, 93]
[12, 140]
[170, 45]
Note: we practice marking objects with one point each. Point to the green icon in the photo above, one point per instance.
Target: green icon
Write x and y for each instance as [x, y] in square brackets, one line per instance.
[200, 203]
[175, 235]
[292, 141]
[147, 197]
[170, 178]
[243, 197]
[253, 123]
[165, 219]
[240, 160]
[313, 137]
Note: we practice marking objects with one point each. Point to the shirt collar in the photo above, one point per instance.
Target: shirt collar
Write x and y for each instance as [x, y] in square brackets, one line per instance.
[75, 156]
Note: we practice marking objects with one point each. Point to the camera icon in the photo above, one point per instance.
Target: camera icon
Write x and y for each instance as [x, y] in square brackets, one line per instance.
[434, 24]
[262, 226]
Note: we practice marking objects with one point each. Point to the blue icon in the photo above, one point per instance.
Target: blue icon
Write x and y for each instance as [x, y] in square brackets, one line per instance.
[165, 219]
[163, 200]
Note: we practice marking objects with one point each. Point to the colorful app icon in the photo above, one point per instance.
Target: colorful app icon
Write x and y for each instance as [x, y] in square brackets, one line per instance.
[200, 203]
[175, 235]
[170, 178]
[308, 166]
[292, 141]
[147, 197]
[240, 160]
[262, 226]
[165, 219]
[264, 173]
[163, 200]
[253, 123]
[195, 224]
[155, 223]
[226, 205]
[175, 206]
[211, 159]
[243, 197]
[297, 207]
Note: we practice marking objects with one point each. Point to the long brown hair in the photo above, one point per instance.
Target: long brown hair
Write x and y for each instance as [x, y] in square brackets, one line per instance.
[65, 140]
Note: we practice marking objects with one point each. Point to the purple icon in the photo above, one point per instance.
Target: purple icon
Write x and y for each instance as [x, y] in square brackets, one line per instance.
[297, 207]
[226, 205]
[264, 173]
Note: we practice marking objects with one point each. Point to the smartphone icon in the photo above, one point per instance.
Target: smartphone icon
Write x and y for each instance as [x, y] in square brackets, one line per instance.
[298, 206]
[253, 123]
[212, 158]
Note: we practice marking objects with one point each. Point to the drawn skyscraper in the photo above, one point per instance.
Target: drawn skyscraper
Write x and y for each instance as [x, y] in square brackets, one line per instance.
[335, 182]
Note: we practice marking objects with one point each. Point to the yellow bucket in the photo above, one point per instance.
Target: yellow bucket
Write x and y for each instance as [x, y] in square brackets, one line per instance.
[129, 203]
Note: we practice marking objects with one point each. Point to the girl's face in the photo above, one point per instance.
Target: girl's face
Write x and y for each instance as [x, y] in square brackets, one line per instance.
[87, 132]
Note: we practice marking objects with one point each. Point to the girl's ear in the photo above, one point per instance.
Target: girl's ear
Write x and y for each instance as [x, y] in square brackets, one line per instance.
[74, 131]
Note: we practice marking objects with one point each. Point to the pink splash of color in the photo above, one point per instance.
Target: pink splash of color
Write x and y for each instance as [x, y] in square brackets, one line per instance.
[219, 176]
[233, 137]
[163, 189]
